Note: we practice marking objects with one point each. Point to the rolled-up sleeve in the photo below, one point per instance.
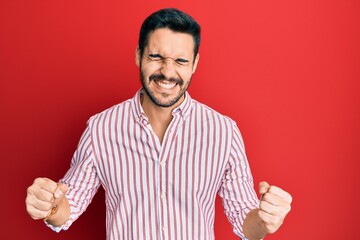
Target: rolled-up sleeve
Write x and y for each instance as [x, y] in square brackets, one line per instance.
[237, 188]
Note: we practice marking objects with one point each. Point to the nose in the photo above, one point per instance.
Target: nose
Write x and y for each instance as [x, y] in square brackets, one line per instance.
[168, 68]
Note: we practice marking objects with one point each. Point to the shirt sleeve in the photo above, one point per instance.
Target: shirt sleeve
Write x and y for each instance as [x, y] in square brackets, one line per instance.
[81, 178]
[237, 188]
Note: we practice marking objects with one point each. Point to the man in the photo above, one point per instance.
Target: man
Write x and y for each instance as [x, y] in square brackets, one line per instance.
[162, 156]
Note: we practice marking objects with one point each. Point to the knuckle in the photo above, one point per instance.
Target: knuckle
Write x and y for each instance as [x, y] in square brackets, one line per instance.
[273, 225]
[29, 190]
[32, 212]
[33, 215]
[271, 188]
[41, 181]
[48, 197]
[271, 229]
[262, 205]
[41, 215]
[283, 214]
[262, 216]
[37, 180]
[274, 189]
[288, 208]
[27, 201]
[285, 209]
[27, 205]
[47, 206]
[265, 197]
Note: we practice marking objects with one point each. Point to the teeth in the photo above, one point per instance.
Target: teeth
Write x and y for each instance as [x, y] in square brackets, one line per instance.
[166, 85]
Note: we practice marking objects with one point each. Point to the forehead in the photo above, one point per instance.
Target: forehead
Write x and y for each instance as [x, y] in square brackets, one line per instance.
[169, 43]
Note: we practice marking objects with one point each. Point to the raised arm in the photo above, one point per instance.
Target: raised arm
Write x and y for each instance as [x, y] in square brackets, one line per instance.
[275, 204]
[46, 200]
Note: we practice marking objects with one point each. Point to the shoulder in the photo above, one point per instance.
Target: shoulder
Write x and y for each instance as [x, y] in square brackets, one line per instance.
[111, 113]
[211, 114]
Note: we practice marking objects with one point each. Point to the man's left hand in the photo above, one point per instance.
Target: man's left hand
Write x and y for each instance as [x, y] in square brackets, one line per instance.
[275, 204]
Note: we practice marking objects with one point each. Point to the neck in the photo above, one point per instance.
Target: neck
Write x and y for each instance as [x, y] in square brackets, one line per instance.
[159, 117]
[155, 112]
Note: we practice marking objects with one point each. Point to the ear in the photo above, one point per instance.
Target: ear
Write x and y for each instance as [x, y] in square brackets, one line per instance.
[137, 57]
[196, 62]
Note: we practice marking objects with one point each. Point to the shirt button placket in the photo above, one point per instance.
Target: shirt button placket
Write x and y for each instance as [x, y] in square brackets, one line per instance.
[163, 198]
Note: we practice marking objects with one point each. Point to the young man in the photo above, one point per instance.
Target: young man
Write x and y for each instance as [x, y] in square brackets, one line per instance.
[162, 156]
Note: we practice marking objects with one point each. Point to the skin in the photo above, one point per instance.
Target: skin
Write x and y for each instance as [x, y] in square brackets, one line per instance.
[166, 68]
[168, 54]
[45, 194]
[275, 204]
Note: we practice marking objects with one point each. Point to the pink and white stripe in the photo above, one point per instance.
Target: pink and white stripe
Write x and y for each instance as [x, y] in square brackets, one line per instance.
[161, 191]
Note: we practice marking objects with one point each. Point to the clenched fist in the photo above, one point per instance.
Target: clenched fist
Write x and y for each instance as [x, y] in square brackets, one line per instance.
[275, 204]
[43, 196]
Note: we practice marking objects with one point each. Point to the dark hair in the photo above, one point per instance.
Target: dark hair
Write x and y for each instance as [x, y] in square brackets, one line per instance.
[172, 19]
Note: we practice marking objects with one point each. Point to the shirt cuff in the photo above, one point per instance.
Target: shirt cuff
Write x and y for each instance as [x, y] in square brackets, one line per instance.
[68, 223]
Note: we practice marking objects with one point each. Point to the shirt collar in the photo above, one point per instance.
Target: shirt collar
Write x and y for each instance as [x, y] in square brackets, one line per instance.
[183, 109]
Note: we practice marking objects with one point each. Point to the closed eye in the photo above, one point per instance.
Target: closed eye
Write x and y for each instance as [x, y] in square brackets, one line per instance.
[158, 57]
[181, 60]
[155, 57]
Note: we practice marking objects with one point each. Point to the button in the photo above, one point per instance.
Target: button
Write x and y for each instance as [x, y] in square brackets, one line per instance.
[163, 196]
[164, 228]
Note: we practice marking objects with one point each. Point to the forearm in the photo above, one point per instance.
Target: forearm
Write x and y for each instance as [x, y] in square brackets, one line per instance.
[62, 214]
[253, 226]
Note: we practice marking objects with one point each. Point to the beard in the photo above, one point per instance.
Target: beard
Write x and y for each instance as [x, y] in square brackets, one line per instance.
[160, 77]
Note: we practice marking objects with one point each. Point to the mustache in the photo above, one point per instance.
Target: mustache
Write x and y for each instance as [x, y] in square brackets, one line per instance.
[159, 77]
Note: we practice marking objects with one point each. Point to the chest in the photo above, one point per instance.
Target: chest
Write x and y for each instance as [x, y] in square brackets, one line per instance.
[191, 159]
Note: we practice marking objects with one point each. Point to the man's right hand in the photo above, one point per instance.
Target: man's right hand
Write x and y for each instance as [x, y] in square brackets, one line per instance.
[42, 196]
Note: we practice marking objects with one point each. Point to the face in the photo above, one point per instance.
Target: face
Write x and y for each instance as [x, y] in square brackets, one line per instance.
[166, 66]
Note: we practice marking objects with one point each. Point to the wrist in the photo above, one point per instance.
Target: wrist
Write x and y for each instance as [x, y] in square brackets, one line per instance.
[52, 212]
[253, 227]
[60, 214]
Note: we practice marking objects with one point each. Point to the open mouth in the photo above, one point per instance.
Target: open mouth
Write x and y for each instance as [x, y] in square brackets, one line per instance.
[165, 84]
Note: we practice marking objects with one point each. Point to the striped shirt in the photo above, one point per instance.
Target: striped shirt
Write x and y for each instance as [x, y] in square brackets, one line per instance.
[161, 190]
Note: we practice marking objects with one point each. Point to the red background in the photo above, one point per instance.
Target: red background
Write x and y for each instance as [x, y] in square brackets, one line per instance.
[288, 72]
